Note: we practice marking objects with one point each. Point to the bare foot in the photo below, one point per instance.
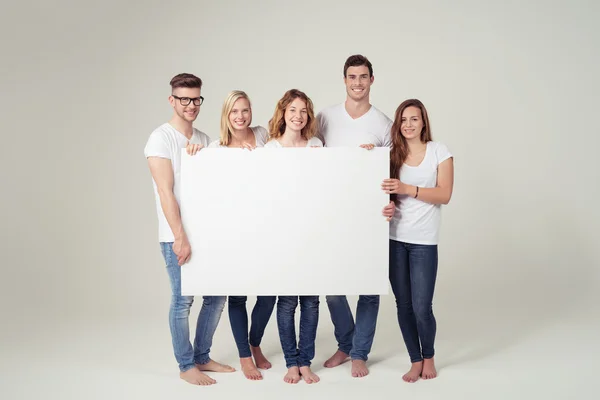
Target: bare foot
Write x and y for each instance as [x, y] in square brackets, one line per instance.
[359, 368]
[195, 377]
[413, 375]
[338, 358]
[259, 358]
[309, 376]
[249, 369]
[215, 367]
[429, 371]
[292, 376]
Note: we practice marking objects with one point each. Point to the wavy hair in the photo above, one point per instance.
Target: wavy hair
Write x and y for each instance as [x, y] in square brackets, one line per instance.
[277, 122]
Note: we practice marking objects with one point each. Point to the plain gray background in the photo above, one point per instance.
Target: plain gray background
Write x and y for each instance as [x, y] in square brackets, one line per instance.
[511, 88]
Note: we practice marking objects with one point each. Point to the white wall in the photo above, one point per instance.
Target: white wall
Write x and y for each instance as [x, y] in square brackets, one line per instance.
[511, 88]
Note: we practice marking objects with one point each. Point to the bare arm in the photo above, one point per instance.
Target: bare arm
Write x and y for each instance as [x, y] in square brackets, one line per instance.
[162, 173]
[440, 194]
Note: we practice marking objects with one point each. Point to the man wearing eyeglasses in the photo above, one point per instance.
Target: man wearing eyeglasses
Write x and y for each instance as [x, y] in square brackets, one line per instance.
[163, 152]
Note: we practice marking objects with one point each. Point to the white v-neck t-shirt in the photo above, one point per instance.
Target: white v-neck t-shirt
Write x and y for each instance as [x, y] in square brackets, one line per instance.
[336, 128]
[414, 220]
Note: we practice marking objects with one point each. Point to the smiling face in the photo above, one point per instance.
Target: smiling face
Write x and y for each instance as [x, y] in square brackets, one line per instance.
[411, 123]
[296, 115]
[240, 115]
[358, 82]
[189, 112]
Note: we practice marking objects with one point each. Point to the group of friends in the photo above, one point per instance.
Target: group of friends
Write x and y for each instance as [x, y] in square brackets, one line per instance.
[421, 180]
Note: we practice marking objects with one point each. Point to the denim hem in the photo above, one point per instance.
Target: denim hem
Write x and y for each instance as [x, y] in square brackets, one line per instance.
[361, 358]
[187, 368]
[203, 361]
[344, 351]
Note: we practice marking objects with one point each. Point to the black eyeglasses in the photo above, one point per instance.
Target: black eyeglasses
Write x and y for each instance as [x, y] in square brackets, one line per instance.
[185, 101]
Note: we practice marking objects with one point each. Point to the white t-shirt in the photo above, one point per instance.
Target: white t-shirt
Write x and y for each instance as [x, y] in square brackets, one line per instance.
[414, 220]
[336, 128]
[274, 144]
[260, 133]
[167, 142]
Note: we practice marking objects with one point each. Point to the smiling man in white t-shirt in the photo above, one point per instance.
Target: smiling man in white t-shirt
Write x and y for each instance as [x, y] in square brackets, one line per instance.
[163, 152]
[354, 123]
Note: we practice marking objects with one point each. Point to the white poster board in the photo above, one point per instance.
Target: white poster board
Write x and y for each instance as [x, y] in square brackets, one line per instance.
[292, 221]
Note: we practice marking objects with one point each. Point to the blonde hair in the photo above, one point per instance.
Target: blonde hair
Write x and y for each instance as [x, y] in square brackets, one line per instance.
[277, 123]
[226, 128]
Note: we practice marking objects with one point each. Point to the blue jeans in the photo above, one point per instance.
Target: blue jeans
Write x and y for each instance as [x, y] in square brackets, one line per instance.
[208, 319]
[413, 271]
[302, 353]
[355, 340]
[238, 318]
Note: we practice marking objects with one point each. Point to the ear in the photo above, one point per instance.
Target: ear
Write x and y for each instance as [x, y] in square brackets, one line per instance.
[172, 101]
[372, 79]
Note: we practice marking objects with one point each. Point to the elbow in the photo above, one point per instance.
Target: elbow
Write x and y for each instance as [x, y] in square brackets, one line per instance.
[164, 193]
[446, 198]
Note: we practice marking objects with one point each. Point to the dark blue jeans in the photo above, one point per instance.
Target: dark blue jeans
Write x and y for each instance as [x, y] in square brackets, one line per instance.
[302, 353]
[413, 271]
[355, 340]
[238, 318]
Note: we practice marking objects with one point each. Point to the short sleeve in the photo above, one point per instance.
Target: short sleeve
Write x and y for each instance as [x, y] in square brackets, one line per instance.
[315, 141]
[262, 135]
[442, 153]
[320, 119]
[387, 136]
[157, 146]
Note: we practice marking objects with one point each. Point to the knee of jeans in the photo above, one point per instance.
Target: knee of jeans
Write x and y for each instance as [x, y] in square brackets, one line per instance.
[266, 300]
[287, 303]
[215, 301]
[422, 311]
[371, 299]
[310, 303]
[182, 303]
[334, 299]
[237, 300]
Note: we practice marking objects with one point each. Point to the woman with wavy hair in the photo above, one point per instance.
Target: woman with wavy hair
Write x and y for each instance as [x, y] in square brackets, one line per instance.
[422, 179]
[293, 125]
[236, 132]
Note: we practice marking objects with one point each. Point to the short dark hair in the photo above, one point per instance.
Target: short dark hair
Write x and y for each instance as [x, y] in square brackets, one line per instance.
[356, 61]
[186, 81]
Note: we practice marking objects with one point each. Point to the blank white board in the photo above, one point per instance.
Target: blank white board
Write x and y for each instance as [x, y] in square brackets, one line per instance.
[291, 221]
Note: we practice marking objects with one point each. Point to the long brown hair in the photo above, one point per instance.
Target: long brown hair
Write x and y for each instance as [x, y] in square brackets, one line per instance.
[277, 123]
[399, 150]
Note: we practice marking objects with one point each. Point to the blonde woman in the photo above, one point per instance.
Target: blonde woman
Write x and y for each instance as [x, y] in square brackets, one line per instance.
[236, 132]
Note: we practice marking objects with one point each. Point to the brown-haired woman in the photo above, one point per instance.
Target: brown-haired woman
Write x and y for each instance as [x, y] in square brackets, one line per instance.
[422, 174]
